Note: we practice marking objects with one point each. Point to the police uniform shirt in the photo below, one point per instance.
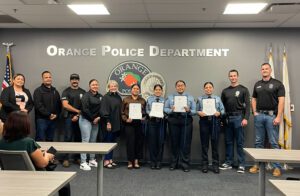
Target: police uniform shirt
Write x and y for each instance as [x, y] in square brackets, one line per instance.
[236, 99]
[267, 93]
[152, 99]
[73, 96]
[170, 103]
[219, 105]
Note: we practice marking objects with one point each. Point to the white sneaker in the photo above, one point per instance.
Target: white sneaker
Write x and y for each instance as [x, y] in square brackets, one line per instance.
[225, 166]
[93, 163]
[84, 166]
[241, 170]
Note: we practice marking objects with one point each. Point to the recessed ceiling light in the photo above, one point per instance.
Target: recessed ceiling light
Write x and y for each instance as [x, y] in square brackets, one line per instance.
[89, 9]
[244, 8]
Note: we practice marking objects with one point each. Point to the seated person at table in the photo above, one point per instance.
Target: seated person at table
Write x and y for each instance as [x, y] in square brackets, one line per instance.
[15, 137]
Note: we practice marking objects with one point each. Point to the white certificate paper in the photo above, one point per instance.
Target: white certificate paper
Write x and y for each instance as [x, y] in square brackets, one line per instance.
[209, 106]
[179, 103]
[157, 110]
[135, 111]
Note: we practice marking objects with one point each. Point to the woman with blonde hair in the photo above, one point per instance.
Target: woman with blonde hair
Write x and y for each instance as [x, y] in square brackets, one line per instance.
[111, 114]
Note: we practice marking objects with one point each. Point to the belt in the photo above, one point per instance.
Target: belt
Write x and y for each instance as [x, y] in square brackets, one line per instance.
[234, 113]
[208, 117]
[178, 115]
[154, 119]
[267, 112]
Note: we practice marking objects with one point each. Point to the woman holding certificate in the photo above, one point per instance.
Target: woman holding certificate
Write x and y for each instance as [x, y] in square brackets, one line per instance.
[210, 108]
[180, 107]
[156, 131]
[133, 112]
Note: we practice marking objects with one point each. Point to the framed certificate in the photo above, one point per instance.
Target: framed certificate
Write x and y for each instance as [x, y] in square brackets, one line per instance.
[209, 106]
[179, 103]
[157, 110]
[135, 111]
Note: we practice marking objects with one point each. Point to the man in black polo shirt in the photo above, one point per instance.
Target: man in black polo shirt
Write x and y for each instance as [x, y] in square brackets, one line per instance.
[236, 100]
[71, 101]
[267, 106]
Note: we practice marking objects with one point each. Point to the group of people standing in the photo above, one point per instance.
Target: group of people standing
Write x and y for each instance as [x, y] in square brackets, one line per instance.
[85, 113]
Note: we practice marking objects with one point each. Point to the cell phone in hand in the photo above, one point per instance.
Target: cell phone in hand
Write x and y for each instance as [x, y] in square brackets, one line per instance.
[52, 150]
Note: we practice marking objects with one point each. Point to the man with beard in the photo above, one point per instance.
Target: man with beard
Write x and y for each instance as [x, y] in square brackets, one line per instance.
[71, 102]
[47, 108]
[267, 106]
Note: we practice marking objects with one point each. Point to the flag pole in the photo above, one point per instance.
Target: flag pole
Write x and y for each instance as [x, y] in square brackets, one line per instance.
[285, 165]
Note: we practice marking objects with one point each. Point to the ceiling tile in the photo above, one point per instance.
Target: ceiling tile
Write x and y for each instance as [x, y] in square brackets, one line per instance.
[292, 22]
[37, 9]
[182, 25]
[121, 25]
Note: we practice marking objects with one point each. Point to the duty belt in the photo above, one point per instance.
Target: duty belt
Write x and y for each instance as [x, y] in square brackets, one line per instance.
[267, 112]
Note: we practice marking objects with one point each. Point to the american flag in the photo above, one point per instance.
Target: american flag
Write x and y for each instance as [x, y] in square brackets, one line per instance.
[8, 72]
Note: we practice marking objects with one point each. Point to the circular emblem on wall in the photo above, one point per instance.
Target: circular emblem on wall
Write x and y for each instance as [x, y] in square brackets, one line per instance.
[128, 73]
[148, 83]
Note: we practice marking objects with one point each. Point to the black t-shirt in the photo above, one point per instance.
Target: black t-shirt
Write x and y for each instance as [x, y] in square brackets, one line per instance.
[73, 96]
[236, 99]
[267, 93]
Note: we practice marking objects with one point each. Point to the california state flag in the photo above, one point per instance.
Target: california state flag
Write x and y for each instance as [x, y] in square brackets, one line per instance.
[285, 130]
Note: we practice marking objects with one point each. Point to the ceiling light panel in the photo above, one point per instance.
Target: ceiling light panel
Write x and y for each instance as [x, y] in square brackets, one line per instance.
[89, 9]
[244, 8]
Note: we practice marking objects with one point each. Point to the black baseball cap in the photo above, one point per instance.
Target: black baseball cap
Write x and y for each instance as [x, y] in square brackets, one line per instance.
[74, 76]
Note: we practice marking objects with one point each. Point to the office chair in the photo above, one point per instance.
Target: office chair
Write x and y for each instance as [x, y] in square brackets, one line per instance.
[15, 160]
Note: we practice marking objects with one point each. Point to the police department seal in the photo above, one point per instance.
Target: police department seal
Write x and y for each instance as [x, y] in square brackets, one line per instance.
[148, 83]
[128, 73]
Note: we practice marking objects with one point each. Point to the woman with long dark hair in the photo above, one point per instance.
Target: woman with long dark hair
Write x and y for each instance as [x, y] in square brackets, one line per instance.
[156, 128]
[133, 127]
[15, 98]
[89, 121]
[210, 125]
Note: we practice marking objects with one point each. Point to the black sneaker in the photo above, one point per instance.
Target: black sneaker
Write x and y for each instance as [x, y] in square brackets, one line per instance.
[158, 165]
[216, 169]
[172, 166]
[185, 168]
[152, 166]
[204, 169]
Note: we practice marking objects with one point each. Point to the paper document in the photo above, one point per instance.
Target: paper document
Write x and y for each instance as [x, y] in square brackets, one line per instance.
[179, 103]
[157, 110]
[209, 106]
[135, 111]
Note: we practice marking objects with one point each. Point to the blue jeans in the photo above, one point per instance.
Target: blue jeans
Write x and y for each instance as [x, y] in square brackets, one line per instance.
[71, 133]
[109, 137]
[264, 123]
[89, 133]
[45, 129]
[234, 132]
